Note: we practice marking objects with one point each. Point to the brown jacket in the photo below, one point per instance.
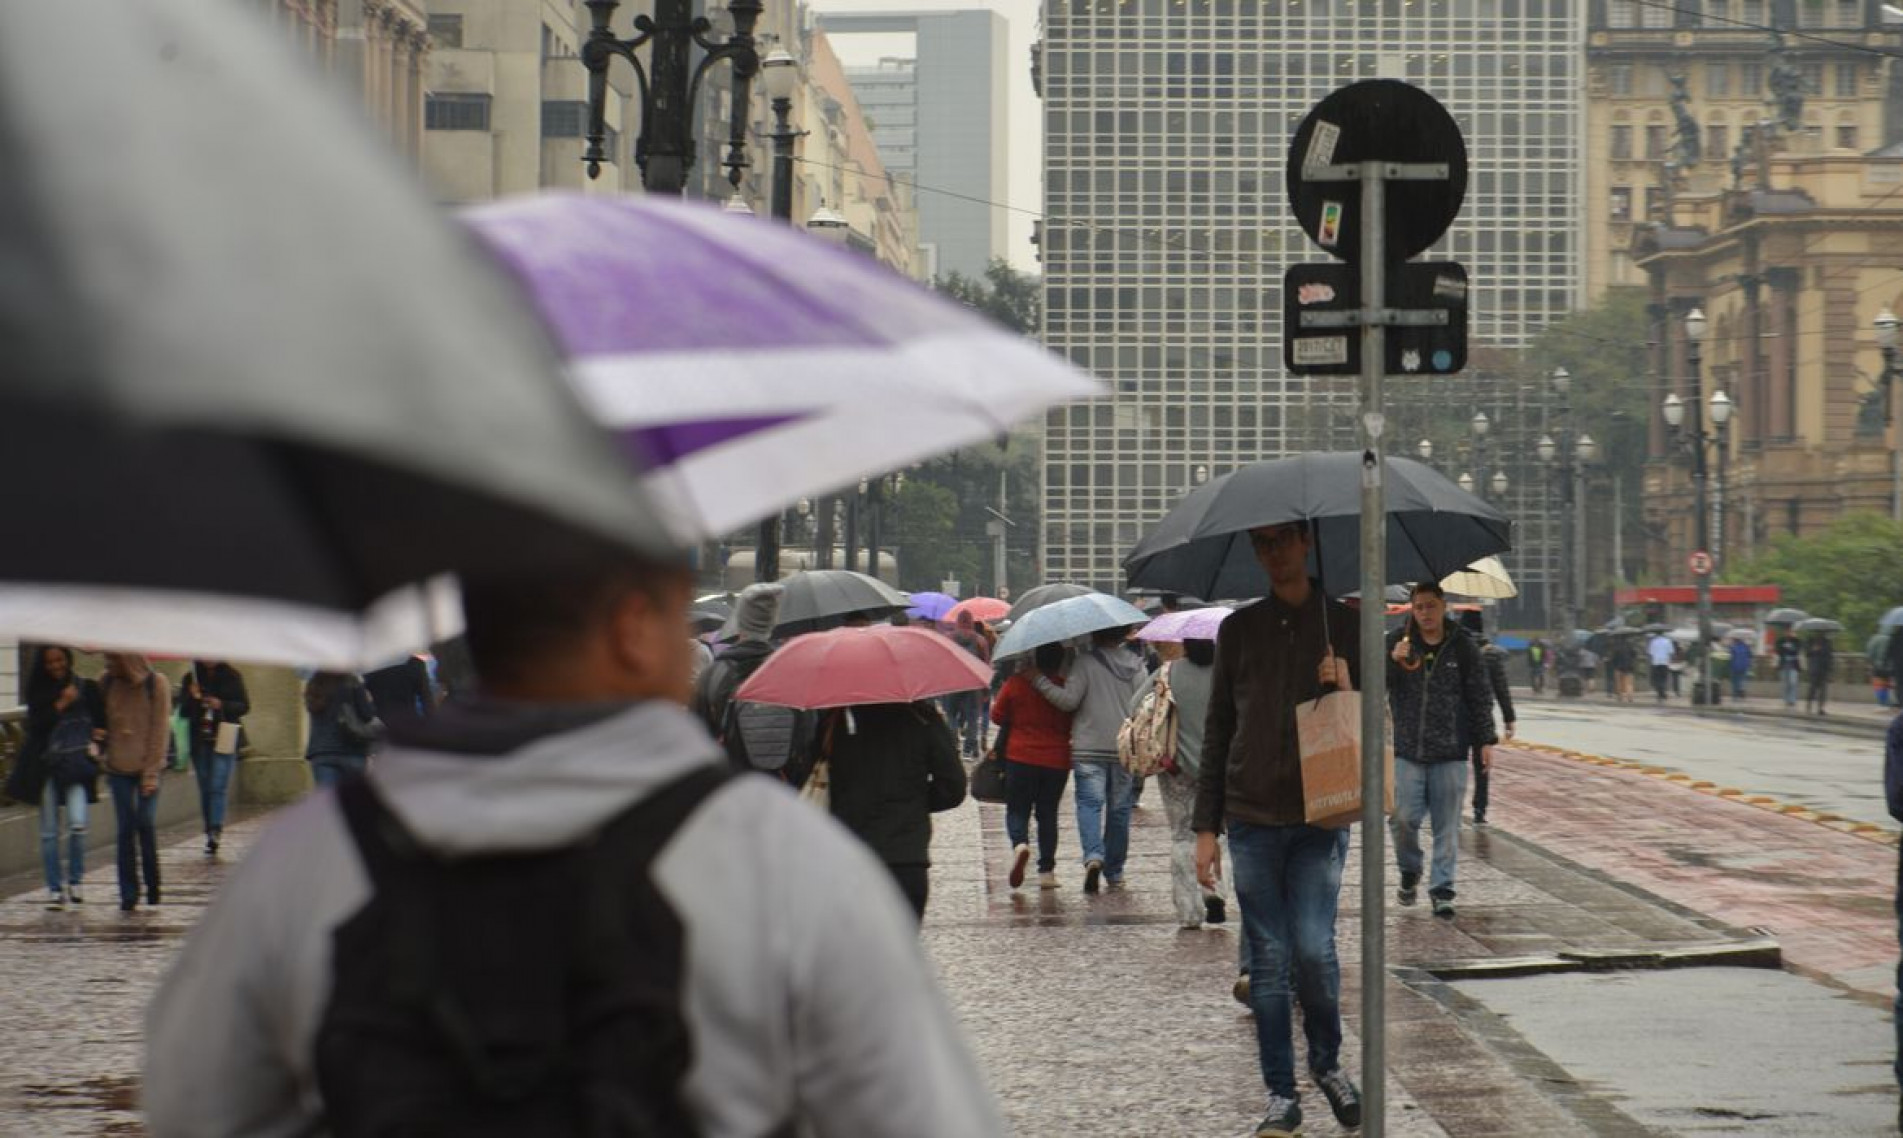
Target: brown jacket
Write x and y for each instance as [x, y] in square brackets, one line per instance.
[1267, 656]
[138, 719]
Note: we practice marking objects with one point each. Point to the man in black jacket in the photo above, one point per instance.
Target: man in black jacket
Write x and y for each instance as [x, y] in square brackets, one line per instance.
[1437, 690]
[1277, 653]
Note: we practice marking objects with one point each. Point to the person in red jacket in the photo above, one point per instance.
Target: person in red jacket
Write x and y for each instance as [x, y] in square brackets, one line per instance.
[1034, 742]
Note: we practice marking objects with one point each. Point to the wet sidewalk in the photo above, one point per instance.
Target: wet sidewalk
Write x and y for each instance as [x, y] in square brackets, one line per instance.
[1860, 716]
[1097, 1015]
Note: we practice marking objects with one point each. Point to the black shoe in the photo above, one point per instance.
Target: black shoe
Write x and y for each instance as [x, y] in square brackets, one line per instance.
[128, 906]
[1215, 912]
[152, 897]
[1443, 906]
[1240, 990]
[1344, 1098]
[1093, 870]
[1284, 1119]
[1408, 894]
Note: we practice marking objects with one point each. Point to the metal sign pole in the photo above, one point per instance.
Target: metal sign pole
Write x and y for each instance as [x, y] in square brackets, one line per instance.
[1374, 665]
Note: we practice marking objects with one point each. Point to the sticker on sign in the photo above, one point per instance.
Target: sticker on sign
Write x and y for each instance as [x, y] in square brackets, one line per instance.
[1329, 233]
[1320, 351]
[1321, 146]
[1315, 292]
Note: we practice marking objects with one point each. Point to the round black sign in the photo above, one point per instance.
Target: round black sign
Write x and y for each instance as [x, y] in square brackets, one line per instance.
[1382, 120]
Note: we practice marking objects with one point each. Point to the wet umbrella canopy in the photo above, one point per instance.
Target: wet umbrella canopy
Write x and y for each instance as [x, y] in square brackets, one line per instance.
[1043, 595]
[1067, 620]
[243, 358]
[819, 599]
[1202, 545]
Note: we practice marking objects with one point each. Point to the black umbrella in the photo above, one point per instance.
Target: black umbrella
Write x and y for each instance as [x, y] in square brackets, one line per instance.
[1043, 595]
[255, 392]
[1202, 545]
[818, 599]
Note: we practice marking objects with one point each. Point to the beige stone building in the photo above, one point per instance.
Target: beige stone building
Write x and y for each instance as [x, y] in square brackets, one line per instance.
[507, 109]
[1790, 279]
[1663, 79]
[377, 48]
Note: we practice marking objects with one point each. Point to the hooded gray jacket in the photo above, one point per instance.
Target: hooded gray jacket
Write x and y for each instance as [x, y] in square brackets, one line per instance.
[807, 994]
[1097, 691]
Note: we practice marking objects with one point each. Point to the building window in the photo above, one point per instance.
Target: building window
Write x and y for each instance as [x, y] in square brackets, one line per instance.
[1813, 78]
[1849, 14]
[1717, 141]
[1655, 141]
[1621, 204]
[447, 31]
[564, 119]
[1751, 13]
[1621, 142]
[1657, 15]
[1717, 80]
[1623, 13]
[1846, 80]
[1619, 79]
[1751, 78]
[1846, 136]
[456, 112]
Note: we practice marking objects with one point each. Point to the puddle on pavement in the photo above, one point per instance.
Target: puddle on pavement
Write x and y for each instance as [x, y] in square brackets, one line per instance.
[1712, 1051]
[102, 1106]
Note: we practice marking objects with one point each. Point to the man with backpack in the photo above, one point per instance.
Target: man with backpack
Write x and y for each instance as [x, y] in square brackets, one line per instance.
[757, 736]
[552, 910]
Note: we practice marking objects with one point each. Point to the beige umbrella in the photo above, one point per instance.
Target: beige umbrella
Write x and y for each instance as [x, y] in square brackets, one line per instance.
[1485, 578]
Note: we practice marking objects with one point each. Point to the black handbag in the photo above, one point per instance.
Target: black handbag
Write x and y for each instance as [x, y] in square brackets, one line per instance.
[987, 778]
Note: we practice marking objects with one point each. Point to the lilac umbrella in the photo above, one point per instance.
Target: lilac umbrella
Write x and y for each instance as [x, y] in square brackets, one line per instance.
[1191, 624]
[752, 364]
[930, 606]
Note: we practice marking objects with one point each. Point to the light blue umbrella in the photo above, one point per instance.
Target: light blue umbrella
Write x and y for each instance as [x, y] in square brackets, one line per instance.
[1068, 620]
[1892, 619]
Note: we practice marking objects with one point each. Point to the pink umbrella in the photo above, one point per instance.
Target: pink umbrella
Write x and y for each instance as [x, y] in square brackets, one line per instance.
[1192, 624]
[875, 664]
[980, 608]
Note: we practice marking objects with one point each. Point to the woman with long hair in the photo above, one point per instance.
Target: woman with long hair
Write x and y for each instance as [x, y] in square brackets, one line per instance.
[1034, 742]
[343, 726]
[213, 700]
[66, 720]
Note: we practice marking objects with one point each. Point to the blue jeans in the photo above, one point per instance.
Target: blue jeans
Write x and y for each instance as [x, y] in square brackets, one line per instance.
[1029, 788]
[213, 772]
[1789, 676]
[967, 720]
[329, 770]
[73, 798]
[1737, 685]
[1103, 813]
[137, 815]
[1434, 792]
[1288, 881]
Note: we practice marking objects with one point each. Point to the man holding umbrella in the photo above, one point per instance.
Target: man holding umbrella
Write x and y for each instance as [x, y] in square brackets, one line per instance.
[1270, 657]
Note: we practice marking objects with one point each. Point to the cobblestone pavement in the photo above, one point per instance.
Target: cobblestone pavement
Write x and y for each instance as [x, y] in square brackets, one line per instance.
[1097, 1014]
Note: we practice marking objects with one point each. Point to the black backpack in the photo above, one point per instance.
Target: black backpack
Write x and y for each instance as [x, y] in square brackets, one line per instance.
[759, 736]
[510, 994]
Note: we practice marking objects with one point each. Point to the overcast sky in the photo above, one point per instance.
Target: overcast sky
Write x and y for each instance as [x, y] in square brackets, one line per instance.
[1025, 120]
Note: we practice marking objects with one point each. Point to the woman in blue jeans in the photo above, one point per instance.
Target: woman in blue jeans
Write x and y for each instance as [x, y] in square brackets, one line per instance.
[343, 726]
[66, 720]
[1034, 737]
[213, 700]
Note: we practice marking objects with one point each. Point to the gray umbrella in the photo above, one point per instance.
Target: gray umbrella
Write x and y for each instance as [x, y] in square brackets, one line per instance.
[1043, 595]
[818, 599]
[246, 359]
[1786, 616]
[1817, 624]
[1202, 545]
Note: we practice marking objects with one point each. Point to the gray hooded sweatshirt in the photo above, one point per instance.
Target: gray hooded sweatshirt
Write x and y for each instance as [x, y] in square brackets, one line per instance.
[1097, 691]
[807, 995]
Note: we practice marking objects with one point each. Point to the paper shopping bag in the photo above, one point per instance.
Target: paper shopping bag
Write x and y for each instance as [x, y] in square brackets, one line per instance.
[1329, 730]
[226, 742]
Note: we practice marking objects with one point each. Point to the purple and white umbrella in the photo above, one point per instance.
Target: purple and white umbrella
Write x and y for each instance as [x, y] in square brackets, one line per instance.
[1190, 624]
[750, 364]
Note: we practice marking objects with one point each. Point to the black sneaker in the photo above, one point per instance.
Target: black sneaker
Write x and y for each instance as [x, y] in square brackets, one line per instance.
[1443, 906]
[1344, 1098]
[1284, 1119]
[1215, 911]
[73, 897]
[1093, 870]
[1409, 891]
[1480, 818]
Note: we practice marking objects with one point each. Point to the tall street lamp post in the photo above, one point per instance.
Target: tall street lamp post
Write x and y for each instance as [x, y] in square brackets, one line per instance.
[1479, 425]
[1693, 438]
[1886, 326]
[780, 73]
[664, 150]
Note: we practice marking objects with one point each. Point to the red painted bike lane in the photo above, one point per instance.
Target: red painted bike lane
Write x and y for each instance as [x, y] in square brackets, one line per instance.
[1824, 894]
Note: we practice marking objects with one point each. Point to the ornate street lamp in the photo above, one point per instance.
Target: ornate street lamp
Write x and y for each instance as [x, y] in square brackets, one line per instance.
[664, 150]
[1465, 482]
[1425, 448]
[780, 73]
[1498, 483]
[1886, 326]
[1693, 438]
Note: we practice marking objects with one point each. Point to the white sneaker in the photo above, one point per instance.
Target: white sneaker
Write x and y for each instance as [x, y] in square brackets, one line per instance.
[1020, 858]
[1048, 881]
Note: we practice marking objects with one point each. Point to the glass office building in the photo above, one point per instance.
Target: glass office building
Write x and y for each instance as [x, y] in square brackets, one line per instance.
[1166, 229]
